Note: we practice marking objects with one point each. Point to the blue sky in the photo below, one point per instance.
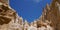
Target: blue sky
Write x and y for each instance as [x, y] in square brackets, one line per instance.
[29, 9]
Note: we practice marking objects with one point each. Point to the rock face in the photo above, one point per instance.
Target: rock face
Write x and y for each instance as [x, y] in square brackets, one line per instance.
[49, 20]
[52, 13]
[9, 19]
[5, 1]
[6, 14]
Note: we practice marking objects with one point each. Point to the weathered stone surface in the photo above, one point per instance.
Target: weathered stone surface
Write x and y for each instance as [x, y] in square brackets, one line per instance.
[6, 14]
[50, 18]
[52, 14]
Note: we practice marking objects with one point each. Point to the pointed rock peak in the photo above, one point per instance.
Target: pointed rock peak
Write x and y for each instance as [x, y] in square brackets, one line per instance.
[31, 23]
[17, 16]
[44, 10]
[47, 4]
[35, 21]
[26, 21]
[47, 7]
[57, 4]
[21, 18]
[39, 18]
[54, 1]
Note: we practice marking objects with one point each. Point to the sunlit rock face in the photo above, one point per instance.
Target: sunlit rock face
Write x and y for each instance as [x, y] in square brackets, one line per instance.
[6, 14]
[52, 13]
[49, 20]
[5, 1]
[26, 25]
[32, 28]
[9, 19]
[4, 27]
[15, 25]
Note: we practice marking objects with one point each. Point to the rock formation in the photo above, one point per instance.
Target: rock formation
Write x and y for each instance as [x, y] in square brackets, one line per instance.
[6, 14]
[49, 20]
[52, 13]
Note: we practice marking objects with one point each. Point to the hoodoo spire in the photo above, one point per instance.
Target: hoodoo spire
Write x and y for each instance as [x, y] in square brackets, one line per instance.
[47, 7]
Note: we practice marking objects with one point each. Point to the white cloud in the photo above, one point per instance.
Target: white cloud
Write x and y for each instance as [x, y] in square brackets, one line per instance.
[37, 1]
